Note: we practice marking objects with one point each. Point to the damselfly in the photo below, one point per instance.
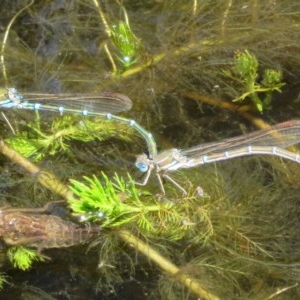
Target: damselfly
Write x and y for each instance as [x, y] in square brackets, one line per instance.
[101, 105]
[270, 141]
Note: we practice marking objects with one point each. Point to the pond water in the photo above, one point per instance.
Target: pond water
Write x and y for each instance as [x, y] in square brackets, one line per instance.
[177, 62]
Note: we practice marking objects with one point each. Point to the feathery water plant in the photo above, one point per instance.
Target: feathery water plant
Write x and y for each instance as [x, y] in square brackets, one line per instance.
[22, 257]
[38, 143]
[117, 204]
[245, 70]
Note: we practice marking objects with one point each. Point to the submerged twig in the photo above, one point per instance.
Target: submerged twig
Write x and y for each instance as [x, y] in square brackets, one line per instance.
[280, 291]
[191, 283]
[243, 111]
[159, 57]
[46, 179]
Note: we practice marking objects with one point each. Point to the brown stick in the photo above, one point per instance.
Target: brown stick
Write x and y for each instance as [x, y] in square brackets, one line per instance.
[47, 179]
[191, 283]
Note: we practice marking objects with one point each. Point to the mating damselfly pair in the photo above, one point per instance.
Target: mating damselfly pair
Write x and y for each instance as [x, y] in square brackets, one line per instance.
[270, 141]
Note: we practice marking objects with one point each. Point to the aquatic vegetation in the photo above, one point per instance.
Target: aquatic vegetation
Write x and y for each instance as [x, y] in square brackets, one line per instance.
[38, 141]
[22, 257]
[241, 240]
[126, 43]
[246, 71]
[3, 280]
[118, 203]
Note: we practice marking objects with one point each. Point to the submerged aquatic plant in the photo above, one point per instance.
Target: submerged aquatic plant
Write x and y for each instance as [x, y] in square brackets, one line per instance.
[127, 44]
[22, 257]
[38, 143]
[246, 69]
[3, 280]
[184, 39]
[117, 204]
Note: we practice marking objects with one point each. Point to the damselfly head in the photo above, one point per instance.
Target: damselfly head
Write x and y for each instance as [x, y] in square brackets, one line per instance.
[14, 95]
[142, 163]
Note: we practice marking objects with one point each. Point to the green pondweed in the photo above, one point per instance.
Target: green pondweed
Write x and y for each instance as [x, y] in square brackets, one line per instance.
[245, 70]
[127, 44]
[3, 280]
[117, 203]
[22, 257]
[37, 143]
